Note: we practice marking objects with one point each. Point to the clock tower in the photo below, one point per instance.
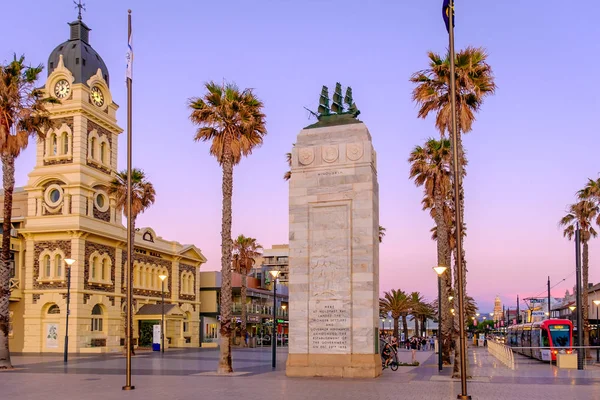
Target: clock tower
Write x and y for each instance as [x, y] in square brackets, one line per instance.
[78, 158]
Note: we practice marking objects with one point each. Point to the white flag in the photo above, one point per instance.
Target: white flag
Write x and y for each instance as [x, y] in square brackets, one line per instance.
[129, 57]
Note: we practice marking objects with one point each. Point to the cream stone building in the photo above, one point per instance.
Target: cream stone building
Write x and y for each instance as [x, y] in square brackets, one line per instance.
[65, 211]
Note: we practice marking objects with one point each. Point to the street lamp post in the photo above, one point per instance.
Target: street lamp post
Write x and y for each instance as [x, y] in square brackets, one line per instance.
[162, 317]
[439, 271]
[69, 262]
[274, 273]
[597, 342]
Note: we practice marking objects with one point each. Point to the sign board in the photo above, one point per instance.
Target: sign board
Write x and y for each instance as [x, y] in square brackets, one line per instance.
[156, 334]
[51, 336]
[546, 355]
[538, 313]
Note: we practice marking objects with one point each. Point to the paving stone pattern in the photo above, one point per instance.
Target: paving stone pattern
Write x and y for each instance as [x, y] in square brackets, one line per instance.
[186, 374]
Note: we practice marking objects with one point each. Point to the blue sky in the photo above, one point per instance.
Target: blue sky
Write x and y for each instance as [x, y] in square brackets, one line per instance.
[532, 147]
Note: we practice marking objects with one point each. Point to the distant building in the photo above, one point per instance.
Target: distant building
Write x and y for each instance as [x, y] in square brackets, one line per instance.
[259, 308]
[277, 257]
[498, 314]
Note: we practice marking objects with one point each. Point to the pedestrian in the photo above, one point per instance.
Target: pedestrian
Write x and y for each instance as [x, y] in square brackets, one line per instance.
[413, 349]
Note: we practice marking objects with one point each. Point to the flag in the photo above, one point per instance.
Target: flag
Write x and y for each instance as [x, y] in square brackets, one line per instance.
[446, 14]
[129, 58]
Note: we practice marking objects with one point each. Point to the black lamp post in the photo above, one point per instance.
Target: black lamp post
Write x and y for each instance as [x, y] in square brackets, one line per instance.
[439, 271]
[69, 262]
[274, 273]
[162, 320]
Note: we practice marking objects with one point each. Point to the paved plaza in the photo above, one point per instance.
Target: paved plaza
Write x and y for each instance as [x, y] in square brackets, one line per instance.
[189, 374]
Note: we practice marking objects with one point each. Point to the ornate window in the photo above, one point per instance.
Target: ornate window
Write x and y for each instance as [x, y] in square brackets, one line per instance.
[54, 145]
[100, 268]
[54, 309]
[51, 268]
[93, 148]
[94, 265]
[58, 265]
[65, 143]
[97, 318]
[47, 267]
[58, 143]
[186, 322]
[53, 196]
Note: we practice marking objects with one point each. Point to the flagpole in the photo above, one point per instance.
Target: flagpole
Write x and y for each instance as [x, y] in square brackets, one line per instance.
[458, 219]
[129, 301]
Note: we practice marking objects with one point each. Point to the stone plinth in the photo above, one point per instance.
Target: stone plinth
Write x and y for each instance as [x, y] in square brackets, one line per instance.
[334, 254]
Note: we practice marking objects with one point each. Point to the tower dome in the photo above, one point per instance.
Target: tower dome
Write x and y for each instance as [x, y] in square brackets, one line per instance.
[78, 56]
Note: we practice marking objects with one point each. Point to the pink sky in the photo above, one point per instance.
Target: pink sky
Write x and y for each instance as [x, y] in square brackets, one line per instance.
[533, 145]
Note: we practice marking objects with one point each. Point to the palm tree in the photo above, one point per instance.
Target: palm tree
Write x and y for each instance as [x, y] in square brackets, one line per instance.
[143, 196]
[245, 249]
[474, 82]
[23, 114]
[288, 175]
[233, 121]
[381, 233]
[583, 213]
[416, 308]
[430, 168]
[398, 304]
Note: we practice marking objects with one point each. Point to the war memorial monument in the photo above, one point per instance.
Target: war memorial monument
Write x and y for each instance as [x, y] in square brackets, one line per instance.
[334, 246]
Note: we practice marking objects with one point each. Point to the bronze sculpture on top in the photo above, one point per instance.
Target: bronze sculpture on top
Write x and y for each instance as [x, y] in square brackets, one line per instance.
[337, 114]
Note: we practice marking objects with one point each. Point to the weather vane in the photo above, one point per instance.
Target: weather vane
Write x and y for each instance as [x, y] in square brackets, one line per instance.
[80, 6]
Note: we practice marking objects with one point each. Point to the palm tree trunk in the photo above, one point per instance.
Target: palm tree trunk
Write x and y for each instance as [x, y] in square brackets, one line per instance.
[416, 319]
[405, 327]
[584, 296]
[225, 364]
[456, 371]
[396, 323]
[8, 167]
[443, 259]
[244, 311]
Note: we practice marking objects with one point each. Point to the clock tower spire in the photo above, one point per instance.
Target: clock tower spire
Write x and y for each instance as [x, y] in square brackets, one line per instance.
[78, 158]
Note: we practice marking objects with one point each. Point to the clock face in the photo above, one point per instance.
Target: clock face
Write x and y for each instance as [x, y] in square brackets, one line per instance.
[97, 96]
[62, 89]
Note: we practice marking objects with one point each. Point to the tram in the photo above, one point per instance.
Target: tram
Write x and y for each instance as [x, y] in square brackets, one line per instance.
[553, 335]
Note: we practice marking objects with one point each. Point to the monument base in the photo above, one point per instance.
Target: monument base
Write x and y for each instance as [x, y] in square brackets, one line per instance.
[334, 365]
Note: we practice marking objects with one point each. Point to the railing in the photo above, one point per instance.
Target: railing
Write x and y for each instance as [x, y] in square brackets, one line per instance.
[256, 309]
[503, 353]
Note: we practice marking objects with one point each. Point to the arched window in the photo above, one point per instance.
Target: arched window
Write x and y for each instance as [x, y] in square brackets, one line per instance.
[93, 148]
[94, 268]
[54, 309]
[186, 322]
[65, 143]
[54, 144]
[148, 278]
[58, 265]
[103, 152]
[97, 318]
[106, 269]
[47, 267]
[103, 270]
[191, 284]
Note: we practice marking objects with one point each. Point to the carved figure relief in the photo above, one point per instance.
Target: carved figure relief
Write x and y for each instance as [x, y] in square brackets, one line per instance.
[306, 156]
[330, 153]
[354, 151]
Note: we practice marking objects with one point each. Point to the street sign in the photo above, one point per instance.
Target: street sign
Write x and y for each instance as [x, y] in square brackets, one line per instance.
[538, 313]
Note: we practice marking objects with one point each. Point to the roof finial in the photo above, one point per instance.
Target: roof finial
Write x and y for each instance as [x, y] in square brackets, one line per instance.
[80, 6]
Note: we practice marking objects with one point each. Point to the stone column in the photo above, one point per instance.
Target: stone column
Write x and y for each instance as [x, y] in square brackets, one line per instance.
[334, 250]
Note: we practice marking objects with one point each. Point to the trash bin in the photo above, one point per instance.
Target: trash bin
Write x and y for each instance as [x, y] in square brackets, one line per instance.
[252, 342]
[155, 346]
